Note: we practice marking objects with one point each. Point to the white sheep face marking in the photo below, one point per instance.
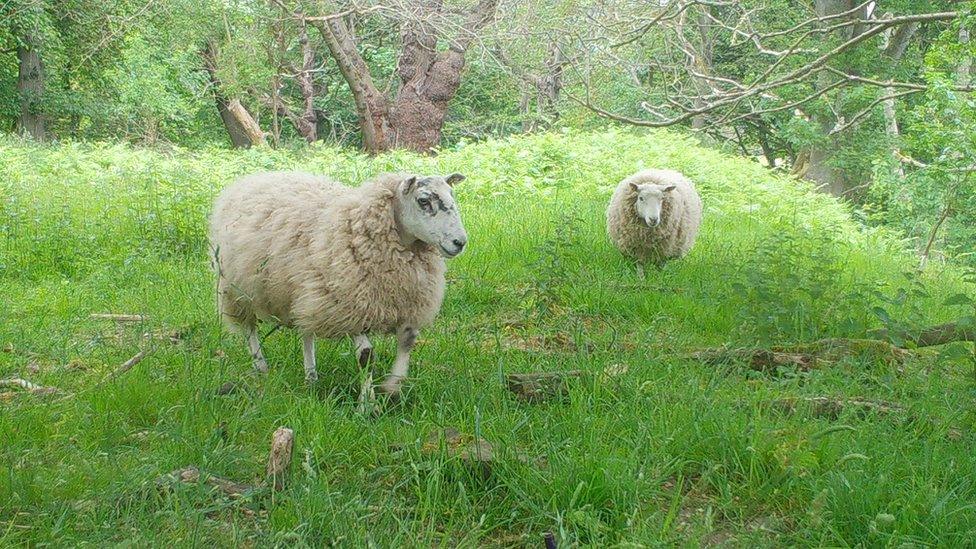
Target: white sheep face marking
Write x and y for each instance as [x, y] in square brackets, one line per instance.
[429, 213]
[648, 202]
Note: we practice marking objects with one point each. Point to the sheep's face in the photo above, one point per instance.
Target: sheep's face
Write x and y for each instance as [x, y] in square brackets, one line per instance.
[648, 200]
[429, 213]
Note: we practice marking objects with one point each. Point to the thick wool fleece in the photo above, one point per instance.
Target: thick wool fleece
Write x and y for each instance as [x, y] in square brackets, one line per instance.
[320, 257]
[681, 213]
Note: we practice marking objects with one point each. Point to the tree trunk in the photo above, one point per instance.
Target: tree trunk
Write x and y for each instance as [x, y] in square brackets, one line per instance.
[30, 87]
[421, 104]
[429, 79]
[307, 123]
[241, 127]
[827, 177]
[898, 41]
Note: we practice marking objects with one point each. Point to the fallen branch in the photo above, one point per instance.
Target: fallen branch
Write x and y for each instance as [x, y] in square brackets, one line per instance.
[805, 356]
[950, 332]
[117, 317]
[192, 475]
[279, 460]
[832, 407]
[32, 388]
[126, 366]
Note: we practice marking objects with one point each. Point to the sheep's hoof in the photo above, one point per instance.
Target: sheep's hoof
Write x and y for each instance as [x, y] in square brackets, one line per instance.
[392, 389]
[365, 356]
[311, 378]
[261, 366]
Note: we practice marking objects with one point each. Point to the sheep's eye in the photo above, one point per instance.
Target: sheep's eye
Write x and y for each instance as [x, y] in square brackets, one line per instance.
[423, 202]
[640, 198]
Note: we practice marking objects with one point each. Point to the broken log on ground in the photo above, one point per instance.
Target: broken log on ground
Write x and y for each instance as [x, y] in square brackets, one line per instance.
[805, 356]
[541, 386]
[474, 452]
[941, 334]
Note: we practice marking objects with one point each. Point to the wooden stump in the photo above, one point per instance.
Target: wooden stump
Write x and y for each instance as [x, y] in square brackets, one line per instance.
[279, 460]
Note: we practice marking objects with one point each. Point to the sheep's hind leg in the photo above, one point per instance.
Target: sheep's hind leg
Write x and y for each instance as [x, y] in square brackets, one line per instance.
[308, 352]
[364, 350]
[367, 394]
[406, 339]
[254, 345]
[640, 271]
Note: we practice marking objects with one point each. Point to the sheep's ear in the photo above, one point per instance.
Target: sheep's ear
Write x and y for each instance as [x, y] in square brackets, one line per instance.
[634, 186]
[454, 178]
[669, 188]
[407, 185]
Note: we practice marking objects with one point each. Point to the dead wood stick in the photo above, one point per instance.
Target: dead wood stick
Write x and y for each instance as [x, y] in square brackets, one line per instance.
[934, 335]
[27, 386]
[127, 365]
[279, 460]
[117, 317]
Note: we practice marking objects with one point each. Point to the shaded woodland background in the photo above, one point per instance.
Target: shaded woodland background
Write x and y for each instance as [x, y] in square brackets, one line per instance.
[870, 100]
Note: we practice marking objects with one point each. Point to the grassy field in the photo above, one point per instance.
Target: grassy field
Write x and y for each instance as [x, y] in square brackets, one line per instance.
[649, 448]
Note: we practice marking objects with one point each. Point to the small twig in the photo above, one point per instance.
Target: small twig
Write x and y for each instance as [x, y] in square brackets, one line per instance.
[117, 317]
[27, 386]
[126, 366]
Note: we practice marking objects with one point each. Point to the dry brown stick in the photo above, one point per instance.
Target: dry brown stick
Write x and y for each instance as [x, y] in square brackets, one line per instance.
[117, 317]
[279, 460]
[126, 366]
[27, 386]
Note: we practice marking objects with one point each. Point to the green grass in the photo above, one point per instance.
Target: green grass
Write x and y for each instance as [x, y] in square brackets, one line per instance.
[672, 451]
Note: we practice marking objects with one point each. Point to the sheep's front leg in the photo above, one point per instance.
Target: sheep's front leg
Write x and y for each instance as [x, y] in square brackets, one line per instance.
[254, 345]
[364, 355]
[308, 350]
[640, 271]
[406, 339]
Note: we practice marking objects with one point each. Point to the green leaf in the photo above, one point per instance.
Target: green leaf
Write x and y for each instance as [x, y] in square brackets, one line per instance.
[958, 299]
[881, 314]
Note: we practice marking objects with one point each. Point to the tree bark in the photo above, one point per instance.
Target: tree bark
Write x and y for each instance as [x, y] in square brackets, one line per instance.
[898, 41]
[243, 130]
[30, 87]
[828, 178]
[429, 79]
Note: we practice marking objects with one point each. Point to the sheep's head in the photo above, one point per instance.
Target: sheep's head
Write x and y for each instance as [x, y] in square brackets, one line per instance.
[429, 213]
[648, 200]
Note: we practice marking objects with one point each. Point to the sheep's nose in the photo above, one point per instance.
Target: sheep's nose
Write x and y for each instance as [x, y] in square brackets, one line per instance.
[459, 243]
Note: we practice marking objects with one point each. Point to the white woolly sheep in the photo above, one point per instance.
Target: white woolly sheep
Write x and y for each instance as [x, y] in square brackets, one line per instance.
[331, 261]
[654, 216]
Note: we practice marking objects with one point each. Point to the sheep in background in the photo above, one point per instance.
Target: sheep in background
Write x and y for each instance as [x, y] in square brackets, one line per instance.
[654, 216]
[331, 261]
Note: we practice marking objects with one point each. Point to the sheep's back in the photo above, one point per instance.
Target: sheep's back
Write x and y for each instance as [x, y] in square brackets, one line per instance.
[260, 231]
